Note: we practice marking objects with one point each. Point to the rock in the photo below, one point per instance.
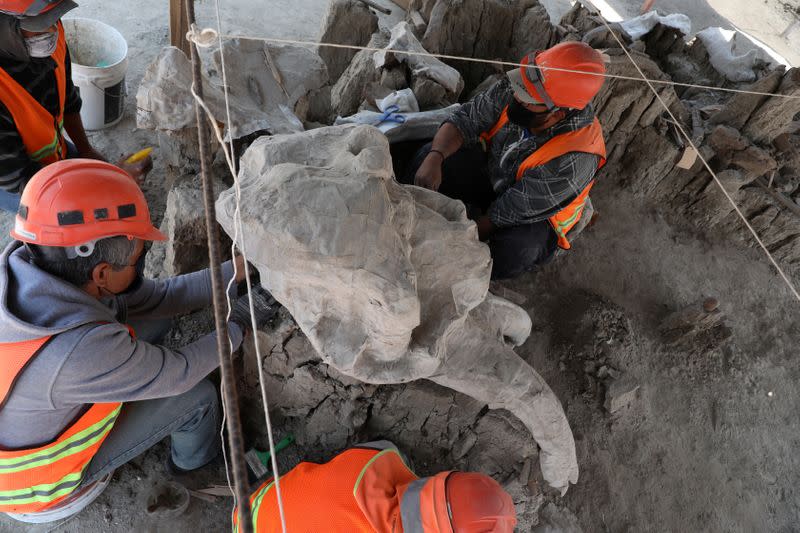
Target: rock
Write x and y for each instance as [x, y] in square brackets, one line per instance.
[695, 329]
[624, 107]
[418, 23]
[346, 22]
[258, 102]
[350, 90]
[315, 106]
[184, 224]
[739, 107]
[266, 85]
[532, 32]
[464, 444]
[425, 70]
[754, 161]
[423, 7]
[553, 519]
[775, 116]
[430, 95]
[581, 19]
[479, 29]
[647, 161]
[733, 149]
[620, 393]
[725, 140]
[711, 206]
[710, 305]
[163, 101]
[359, 260]
[394, 78]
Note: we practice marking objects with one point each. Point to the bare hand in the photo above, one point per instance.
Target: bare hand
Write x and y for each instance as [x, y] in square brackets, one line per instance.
[429, 174]
[137, 170]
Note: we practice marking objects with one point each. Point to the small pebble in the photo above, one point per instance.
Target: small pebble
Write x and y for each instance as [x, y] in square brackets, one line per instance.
[711, 305]
[769, 394]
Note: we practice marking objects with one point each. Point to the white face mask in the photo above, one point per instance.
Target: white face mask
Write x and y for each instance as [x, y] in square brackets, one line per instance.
[42, 45]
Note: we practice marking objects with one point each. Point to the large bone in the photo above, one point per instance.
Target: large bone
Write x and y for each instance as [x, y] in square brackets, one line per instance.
[388, 282]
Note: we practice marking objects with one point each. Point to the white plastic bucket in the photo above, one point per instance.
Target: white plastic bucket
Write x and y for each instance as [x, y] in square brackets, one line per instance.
[99, 63]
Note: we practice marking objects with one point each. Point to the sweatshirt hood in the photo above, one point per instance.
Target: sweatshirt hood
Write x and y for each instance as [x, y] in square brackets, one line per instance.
[35, 304]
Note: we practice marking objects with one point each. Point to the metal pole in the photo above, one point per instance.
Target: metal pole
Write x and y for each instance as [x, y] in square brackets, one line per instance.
[230, 393]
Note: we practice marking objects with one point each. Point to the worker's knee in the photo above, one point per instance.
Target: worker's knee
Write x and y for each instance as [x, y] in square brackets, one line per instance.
[520, 249]
[204, 398]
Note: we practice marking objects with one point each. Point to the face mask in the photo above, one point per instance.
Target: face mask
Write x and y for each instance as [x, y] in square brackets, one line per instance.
[137, 281]
[524, 117]
[42, 45]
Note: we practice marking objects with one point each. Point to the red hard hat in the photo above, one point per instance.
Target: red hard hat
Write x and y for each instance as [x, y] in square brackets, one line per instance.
[559, 88]
[78, 201]
[28, 8]
[479, 504]
[457, 502]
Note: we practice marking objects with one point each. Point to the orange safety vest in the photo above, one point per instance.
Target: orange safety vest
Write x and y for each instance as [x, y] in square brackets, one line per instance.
[358, 491]
[34, 479]
[588, 139]
[41, 132]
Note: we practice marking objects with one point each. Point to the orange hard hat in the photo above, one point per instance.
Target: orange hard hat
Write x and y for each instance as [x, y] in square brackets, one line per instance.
[479, 504]
[457, 502]
[560, 88]
[32, 8]
[80, 201]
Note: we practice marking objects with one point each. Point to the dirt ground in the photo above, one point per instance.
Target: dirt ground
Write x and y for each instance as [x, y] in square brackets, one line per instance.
[708, 444]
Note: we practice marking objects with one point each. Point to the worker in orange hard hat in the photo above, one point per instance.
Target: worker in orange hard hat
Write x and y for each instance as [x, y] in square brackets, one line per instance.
[85, 385]
[523, 156]
[370, 489]
[38, 101]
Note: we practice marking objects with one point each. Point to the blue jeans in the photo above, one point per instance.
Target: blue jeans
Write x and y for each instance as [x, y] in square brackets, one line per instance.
[9, 201]
[192, 419]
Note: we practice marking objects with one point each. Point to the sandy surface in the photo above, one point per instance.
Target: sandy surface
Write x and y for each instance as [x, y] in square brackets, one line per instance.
[703, 448]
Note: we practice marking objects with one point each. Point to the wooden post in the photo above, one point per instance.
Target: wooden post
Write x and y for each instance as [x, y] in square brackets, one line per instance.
[178, 25]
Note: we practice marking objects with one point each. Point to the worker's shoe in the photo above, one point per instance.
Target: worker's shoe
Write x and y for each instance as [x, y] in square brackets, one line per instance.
[182, 475]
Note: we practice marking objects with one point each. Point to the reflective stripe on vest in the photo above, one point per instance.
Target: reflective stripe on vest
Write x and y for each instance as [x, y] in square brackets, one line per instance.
[424, 507]
[588, 139]
[333, 496]
[41, 132]
[34, 479]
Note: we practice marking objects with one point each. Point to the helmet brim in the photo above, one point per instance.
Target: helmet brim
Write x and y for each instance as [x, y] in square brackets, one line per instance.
[522, 94]
[43, 21]
[153, 235]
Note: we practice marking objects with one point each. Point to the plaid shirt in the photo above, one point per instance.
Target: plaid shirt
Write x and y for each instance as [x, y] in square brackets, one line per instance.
[38, 77]
[544, 190]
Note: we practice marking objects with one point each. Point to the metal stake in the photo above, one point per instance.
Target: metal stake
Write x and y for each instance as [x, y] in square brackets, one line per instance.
[229, 389]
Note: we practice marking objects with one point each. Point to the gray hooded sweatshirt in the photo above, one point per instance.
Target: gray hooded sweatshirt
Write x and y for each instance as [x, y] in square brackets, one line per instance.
[91, 357]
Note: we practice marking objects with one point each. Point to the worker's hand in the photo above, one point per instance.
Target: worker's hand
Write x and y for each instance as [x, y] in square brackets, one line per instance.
[429, 174]
[264, 307]
[485, 227]
[137, 170]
